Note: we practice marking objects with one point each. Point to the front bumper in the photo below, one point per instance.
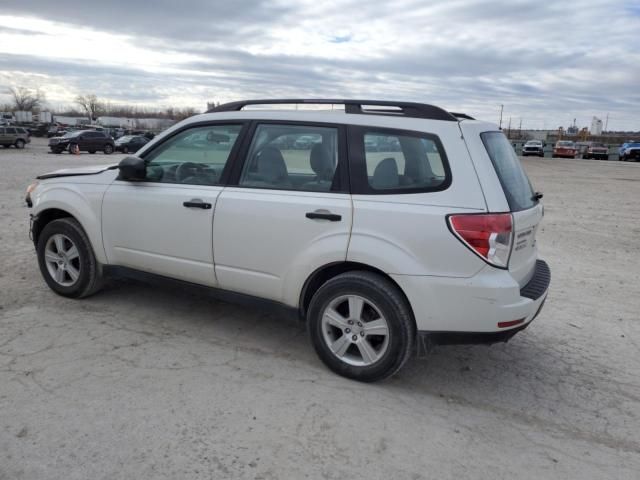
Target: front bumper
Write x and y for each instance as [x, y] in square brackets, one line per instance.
[468, 310]
[532, 152]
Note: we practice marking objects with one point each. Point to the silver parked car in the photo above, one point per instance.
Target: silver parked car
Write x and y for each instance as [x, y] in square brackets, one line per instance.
[16, 136]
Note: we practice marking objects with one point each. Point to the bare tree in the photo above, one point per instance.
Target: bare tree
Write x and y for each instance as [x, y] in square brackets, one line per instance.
[182, 113]
[26, 99]
[91, 105]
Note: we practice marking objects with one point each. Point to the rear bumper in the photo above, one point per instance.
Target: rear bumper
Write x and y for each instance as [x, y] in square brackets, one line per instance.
[468, 310]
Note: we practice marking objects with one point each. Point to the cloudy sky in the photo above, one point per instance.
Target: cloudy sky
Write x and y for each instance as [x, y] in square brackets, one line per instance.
[547, 61]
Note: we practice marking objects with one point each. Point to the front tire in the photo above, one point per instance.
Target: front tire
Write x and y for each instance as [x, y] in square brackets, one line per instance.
[20, 144]
[361, 326]
[66, 259]
[125, 149]
[108, 149]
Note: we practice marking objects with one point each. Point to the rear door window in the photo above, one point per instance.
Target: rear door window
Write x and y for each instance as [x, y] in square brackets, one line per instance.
[514, 180]
[293, 157]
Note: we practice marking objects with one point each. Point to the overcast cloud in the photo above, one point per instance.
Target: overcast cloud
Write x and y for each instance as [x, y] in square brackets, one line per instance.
[547, 62]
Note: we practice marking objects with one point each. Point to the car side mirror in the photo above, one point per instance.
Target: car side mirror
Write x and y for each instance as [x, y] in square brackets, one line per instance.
[132, 169]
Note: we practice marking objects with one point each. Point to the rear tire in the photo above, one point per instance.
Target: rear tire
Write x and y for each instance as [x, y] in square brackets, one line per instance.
[66, 259]
[361, 326]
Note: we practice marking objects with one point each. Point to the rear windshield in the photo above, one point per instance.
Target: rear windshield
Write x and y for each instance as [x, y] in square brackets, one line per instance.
[515, 182]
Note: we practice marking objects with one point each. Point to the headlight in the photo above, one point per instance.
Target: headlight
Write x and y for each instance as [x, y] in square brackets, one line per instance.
[30, 189]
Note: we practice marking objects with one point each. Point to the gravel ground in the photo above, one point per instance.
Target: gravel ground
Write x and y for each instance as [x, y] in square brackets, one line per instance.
[143, 381]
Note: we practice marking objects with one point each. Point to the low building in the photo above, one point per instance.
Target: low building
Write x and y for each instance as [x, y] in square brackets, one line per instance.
[135, 123]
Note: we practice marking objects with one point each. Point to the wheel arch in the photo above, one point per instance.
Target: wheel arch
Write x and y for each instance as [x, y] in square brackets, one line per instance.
[325, 273]
[45, 217]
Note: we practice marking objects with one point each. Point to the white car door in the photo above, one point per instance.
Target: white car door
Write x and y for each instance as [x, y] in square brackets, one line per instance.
[164, 225]
[288, 214]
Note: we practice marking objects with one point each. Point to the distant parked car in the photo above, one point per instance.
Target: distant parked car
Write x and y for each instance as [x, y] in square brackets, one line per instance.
[130, 143]
[56, 131]
[16, 136]
[305, 142]
[564, 148]
[86, 140]
[533, 147]
[596, 150]
[630, 151]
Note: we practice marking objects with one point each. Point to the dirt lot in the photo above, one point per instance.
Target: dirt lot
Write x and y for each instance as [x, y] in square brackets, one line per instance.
[145, 382]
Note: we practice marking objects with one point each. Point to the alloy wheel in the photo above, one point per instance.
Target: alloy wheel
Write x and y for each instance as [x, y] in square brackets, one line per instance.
[62, 259]
[355, 330]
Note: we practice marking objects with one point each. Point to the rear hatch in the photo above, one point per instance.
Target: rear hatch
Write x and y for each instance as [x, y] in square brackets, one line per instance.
[524, 205]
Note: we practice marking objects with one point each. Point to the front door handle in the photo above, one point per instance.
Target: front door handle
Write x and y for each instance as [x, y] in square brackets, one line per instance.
[324, 215]
[197, 203]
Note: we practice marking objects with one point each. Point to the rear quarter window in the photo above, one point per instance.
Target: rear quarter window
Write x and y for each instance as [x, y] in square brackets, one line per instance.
[514, 180]
[398, 161]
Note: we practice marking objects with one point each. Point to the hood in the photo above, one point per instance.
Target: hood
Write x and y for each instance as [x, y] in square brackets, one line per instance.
[71, 172]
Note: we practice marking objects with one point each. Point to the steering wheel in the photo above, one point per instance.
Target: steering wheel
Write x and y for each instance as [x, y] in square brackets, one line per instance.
[189, 169]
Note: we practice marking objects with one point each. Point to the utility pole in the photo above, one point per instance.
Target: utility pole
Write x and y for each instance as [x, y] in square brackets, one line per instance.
[501, 108]
[606, 124]
[520, 129]
[509, 129]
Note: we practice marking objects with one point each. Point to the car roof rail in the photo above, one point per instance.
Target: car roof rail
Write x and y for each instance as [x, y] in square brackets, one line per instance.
[462, 115]
[362, 107]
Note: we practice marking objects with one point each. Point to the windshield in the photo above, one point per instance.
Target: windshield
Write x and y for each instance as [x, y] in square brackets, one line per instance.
[514, 180]
[565, 144]
[71, 134]
[126, 138]
[533, 142]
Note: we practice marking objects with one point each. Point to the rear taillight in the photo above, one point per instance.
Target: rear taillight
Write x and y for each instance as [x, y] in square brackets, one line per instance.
[488, 235]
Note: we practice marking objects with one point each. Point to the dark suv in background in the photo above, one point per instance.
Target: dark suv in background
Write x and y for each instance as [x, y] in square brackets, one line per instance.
[130, 143]
[85, 140]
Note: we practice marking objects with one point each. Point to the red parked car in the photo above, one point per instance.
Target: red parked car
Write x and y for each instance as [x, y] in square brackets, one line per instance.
[564, 148]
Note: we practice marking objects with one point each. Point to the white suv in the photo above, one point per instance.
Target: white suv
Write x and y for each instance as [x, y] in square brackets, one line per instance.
[380, 224]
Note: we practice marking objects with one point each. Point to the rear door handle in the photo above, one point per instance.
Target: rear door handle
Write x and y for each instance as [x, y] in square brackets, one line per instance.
[332, 217]
[197, 203]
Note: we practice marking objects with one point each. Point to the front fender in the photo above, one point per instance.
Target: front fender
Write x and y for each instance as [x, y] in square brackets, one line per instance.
[81, 201]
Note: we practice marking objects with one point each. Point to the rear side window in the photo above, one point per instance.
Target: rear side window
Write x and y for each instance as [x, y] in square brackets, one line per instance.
[404, 162]
[514, 180]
